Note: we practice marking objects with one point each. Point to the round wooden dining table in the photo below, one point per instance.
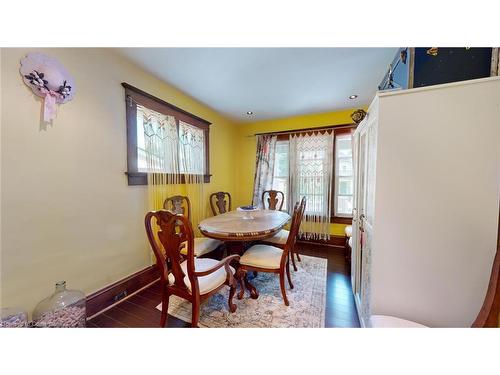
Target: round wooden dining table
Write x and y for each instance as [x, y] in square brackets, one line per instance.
[237, 228]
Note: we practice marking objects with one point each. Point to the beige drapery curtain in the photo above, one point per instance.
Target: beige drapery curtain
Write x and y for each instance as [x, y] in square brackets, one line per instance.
[311, 173]
[264, 167]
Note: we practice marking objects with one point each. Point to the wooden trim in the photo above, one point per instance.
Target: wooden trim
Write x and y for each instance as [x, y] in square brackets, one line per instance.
[132, 166]
[343, 131]
[134, 95]
[341, 220]
[144, 97]
[311, 130]
[104, 298]
[141, 178]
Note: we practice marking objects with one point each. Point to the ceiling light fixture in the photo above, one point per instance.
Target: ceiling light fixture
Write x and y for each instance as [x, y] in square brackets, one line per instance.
[249, 113]
[353, 96]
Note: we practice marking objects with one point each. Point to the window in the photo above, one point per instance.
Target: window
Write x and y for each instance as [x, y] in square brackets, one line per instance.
[312, 168]
[313, 161]
[344, 175]
[281, 162]
[163, 138]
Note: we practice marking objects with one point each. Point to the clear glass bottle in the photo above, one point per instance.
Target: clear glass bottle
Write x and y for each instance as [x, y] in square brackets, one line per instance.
[64, 308]
[11, 317]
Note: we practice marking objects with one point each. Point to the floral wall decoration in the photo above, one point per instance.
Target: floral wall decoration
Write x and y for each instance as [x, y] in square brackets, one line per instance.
[49, 80]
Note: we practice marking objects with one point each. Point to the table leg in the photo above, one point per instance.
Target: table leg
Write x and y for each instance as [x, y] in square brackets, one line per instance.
[238, 247]
[253, 291]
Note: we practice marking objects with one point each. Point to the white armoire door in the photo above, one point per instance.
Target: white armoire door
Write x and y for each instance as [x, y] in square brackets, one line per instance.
[354, 240]
[365, 141]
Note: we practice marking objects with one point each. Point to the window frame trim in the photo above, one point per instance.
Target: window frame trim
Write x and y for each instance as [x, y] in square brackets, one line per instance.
[156, 104]
[342, 219]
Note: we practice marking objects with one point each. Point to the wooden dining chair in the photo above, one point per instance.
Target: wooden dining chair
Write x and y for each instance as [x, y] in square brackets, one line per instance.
[281, 238]
[181, 205]
[273, 200]
[186, 276]
[219, 204]
[267, 258]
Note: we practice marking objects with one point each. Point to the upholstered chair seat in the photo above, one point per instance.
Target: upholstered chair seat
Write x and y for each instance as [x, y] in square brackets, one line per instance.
[206, 283]
[386, 321]
[262, 256]
[279, 238]
[202, 245]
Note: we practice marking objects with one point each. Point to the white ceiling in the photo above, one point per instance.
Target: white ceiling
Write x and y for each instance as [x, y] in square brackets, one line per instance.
[271, 82]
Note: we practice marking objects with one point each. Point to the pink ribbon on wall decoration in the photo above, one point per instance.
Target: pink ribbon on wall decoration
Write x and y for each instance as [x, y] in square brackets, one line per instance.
[49, 80]
[49, 105]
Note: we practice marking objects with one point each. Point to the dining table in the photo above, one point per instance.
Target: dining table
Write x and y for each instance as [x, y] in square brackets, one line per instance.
[238, 228]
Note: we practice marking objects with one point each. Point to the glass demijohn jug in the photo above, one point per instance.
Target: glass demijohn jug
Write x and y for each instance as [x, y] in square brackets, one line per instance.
[64, 308]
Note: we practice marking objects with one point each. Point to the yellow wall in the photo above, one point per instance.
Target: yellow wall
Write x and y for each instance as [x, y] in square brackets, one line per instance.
[247, 144]
[67, 210]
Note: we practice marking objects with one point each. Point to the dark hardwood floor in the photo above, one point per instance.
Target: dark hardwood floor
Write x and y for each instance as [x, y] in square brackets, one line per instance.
[140, 309]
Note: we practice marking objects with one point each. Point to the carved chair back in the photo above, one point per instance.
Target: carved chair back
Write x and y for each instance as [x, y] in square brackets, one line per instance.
[178, 204]
[273, 199]
[298, 214]
[219, 204]
[174, 229]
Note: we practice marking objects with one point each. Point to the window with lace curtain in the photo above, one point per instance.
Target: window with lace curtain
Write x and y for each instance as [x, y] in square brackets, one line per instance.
[162, 138]
[323, 172]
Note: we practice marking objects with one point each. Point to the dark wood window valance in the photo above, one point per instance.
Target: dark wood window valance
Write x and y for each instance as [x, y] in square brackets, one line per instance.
[134, 96]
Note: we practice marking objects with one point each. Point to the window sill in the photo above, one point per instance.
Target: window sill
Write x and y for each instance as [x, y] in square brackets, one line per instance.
[141, 178]
[341, 220]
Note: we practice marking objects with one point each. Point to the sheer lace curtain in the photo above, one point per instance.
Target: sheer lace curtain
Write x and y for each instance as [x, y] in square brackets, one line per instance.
[311, 172]
[192, 166]
[264, 167]
[158, 148]
[170, 154]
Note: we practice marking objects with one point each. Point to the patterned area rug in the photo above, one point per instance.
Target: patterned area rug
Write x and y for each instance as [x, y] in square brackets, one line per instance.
[307, 301]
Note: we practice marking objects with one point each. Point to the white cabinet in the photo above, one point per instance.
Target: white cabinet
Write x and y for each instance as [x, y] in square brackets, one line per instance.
[427, 188]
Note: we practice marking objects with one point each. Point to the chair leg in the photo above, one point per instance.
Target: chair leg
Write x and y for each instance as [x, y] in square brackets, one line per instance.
[195, 314]
[240, 274]
[164, 309]
[288, 275]
[298, 256]
[282, 286]
[232, 291]
[293, 260]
